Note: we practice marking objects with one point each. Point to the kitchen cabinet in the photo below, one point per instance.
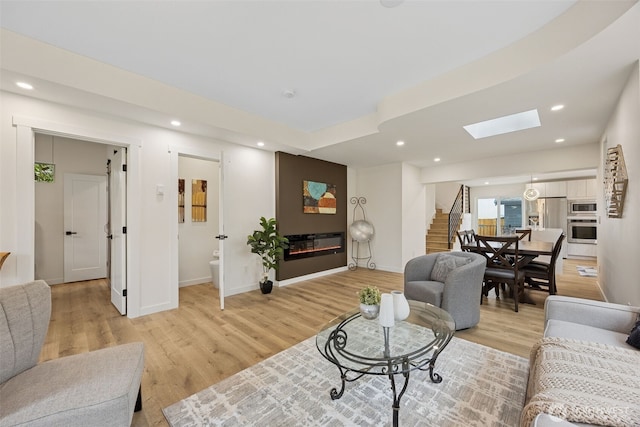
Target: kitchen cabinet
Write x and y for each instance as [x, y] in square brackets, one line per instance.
[556, 189]
[581, 189]
[582, 250]
[550, 189]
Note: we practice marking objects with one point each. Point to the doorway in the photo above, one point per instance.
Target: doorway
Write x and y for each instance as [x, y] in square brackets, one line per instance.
[78, 211]
[213, 157]
[498, 215]
[197, 220]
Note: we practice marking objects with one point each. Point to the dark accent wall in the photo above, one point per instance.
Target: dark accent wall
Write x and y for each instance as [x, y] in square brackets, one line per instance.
[291, 171]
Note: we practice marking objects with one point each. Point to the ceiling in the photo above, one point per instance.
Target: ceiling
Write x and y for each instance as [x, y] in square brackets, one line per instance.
[341, 81]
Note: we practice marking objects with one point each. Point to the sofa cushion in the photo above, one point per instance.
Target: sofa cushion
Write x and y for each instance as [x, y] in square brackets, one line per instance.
[576, 331]
[634, 336]
[98, 388]
[445, 264]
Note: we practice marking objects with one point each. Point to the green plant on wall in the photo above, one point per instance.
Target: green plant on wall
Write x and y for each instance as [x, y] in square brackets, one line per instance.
[44, 172]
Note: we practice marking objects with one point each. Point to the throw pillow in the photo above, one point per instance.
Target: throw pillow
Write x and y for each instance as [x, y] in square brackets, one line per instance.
[444, 265]
[634, 336]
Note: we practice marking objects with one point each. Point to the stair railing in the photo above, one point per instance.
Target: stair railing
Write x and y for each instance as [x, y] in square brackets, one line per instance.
[455, 215]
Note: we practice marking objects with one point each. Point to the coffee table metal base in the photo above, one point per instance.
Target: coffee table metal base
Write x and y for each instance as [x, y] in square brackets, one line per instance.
[392, 368]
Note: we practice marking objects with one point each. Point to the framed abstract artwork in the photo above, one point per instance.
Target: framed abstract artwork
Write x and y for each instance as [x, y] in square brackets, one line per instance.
[318, 197]
[198, 200]
[181, 200]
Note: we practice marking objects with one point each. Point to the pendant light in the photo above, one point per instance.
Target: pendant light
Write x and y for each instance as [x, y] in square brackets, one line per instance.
[531, 194]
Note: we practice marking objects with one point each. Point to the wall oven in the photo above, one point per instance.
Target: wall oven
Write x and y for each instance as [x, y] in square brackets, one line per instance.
[582, 230]
[582, 207]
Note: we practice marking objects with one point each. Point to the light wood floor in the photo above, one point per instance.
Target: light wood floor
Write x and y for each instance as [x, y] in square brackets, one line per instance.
[197, 345]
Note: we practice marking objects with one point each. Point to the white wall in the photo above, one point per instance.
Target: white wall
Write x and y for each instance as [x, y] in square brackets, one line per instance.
[249, 193]
[382, 187]
[196, 241]
[69, 156]
[430, 204]
[413, 214]
[446, 193]
[584, 156]
[618, 237]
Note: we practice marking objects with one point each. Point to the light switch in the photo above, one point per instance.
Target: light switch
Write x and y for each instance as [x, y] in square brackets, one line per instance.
[160, 190]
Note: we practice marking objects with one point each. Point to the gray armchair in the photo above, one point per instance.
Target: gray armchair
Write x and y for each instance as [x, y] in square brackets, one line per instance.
[98, 388]
[455, 285]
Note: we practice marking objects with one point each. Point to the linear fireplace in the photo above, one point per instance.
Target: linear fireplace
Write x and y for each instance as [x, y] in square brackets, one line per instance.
[309, 245]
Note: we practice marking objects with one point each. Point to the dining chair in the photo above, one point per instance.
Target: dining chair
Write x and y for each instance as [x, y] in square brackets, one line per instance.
[462, 237]
[499, 252]
[539, 273]
[524, 233]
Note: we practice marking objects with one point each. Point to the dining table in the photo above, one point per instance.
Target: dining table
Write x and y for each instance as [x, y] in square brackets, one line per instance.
[528, 250]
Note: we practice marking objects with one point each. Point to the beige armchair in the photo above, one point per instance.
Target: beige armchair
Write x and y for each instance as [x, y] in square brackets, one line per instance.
[99, 388]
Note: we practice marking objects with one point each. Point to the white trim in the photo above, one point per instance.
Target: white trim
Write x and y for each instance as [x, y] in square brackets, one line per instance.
[287, 282]
[25, 198]
[191, 282]
[66, 130]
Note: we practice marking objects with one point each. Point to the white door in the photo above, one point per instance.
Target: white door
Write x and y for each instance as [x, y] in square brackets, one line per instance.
[221, 235]
[117, 229]
[85, 218]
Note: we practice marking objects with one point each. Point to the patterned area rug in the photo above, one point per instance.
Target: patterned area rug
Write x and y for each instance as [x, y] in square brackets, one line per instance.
[481, 387]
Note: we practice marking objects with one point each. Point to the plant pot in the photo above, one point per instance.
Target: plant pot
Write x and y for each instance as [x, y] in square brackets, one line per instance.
[266, 286]
[369, 312]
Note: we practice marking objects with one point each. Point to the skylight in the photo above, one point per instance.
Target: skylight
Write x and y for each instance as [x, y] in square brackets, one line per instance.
[506, 124]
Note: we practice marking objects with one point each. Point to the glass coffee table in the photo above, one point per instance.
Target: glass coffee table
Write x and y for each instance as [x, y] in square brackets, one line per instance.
[361, 347]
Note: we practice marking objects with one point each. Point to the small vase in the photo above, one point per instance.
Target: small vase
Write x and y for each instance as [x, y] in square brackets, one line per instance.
[368, 311]
[400, 306]
[385, 317]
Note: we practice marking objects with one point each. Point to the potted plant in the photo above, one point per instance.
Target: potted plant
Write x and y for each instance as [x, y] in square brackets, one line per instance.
[270, 245]
[369, 302]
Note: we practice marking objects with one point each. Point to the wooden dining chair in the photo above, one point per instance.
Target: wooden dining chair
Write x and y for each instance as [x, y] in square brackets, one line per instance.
[524, 233]
[541, 275]
[499, 252]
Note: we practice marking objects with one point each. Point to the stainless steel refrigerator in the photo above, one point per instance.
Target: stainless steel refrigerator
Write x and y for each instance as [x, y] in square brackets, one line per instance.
[551, 212]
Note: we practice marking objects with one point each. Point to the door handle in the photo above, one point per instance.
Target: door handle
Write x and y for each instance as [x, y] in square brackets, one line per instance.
[69, 233]
[221, 236]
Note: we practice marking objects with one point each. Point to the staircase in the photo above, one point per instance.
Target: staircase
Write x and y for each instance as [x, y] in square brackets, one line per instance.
[437, 236]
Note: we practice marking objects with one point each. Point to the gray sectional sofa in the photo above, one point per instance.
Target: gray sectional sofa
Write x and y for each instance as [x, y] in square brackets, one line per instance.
[596, 325]
[99, 388]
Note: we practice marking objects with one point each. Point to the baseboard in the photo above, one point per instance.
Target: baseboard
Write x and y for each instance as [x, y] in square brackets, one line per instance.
[287, 282]
[197, 281]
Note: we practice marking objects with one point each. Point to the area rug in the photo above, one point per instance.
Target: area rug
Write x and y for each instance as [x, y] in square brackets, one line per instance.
[481, 387]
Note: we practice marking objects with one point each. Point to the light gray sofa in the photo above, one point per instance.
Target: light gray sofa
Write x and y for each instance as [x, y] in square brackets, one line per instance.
[458, 293]
[585, 320]
[99, 388]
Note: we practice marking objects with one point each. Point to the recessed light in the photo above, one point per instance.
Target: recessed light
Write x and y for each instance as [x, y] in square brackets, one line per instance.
[24, 85]
[486, 183]
[289, 93]
[557, 107]
[260, 144]
[175, 123]
[535, 178]
[400, 143]
[559, 140]
[511, 123]
[437, 159]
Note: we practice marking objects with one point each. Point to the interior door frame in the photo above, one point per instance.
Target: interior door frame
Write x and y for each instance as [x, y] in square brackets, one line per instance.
[26, 128]
[210, 155]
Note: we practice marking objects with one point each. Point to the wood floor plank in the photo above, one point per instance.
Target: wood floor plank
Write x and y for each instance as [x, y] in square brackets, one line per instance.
[197, 345]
